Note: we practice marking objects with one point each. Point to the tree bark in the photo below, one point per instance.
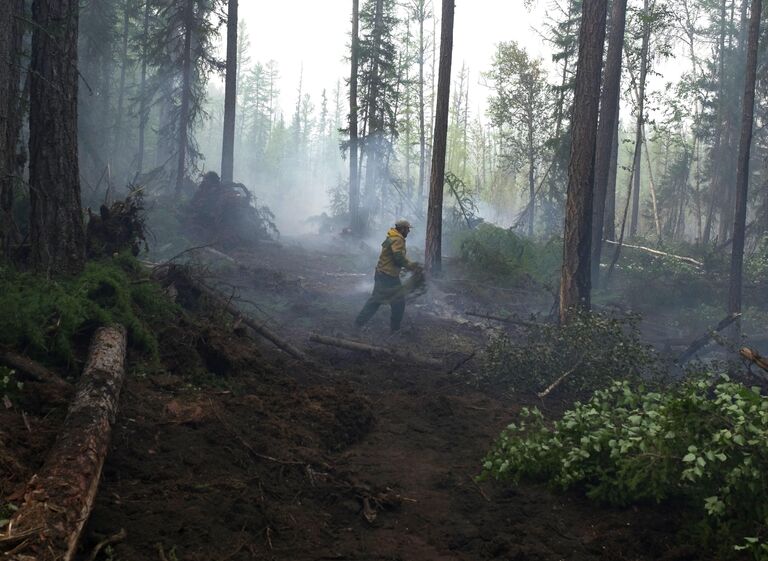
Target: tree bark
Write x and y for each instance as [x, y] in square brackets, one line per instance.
[354, 178]
[644, 53]
[117, 139]
[575, 282]
[434, 241]
[143, 101]
[607, 129]
[742, 172]
[609, 224]
[186, 97]
[230, 97]
[60, 497]
[422, 15]
[11, 35]
[56, 220]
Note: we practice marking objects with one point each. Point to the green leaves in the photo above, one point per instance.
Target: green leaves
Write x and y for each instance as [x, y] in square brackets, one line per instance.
[705, 441]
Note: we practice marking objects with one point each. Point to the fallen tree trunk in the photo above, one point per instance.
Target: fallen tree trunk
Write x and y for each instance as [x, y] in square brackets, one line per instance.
[704, 340]
[512, 320]
[373, 350]
[59, 498]
[218, 300]
[754, 357]
[554, 385]
[28, 368]
[689, 260]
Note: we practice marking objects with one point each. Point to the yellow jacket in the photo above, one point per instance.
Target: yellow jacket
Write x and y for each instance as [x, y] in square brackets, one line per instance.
[393, 259]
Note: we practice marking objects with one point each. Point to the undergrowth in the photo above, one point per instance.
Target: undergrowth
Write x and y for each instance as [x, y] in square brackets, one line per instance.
[46, 318]
[704, 441]
[491, 251]
[590, 350]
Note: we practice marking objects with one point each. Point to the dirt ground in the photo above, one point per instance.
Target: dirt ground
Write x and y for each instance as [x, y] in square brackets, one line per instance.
[234, 451]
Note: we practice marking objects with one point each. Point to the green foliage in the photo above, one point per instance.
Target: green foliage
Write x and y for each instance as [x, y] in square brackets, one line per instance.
[705, 441]
[493, 251]
[45, 317]
[650, 282]
[756, 264]
[592, 348]
[463, 210]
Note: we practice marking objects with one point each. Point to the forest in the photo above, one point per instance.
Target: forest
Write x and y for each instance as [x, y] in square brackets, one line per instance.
[409, 280]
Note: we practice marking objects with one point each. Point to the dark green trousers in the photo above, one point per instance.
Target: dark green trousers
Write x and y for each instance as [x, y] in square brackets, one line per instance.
[386, 290]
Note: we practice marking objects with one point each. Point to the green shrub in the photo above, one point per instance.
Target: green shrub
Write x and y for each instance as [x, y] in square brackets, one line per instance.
[592, 348]
[44, 318]
[705, 441]
[493, 251]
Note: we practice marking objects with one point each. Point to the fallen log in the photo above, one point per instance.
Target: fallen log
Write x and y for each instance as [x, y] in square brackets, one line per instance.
[28, 368]
[704, 340]
[373, 350]
[684, 259]
[754, 357]
[59, 498]
[218, 300]
[510, 319]
[554, 385]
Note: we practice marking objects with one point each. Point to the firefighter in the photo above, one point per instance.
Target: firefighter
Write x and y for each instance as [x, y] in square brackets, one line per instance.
[387, 288]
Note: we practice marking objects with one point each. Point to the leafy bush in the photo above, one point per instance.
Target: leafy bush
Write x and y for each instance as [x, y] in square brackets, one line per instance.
[490, 250]
[705, 441]
[45, 317]
[592, 348]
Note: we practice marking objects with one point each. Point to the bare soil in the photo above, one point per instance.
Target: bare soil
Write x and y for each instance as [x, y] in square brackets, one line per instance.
[235, 452]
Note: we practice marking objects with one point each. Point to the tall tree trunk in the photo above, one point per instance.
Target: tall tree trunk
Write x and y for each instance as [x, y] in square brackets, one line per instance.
[531, 184]
[56, 219]
[607, 129]
[143, 101]
[422, 126]
[609, 225]
[372, 142]
[354, 178]
[644, 53]
[186, 97]
[117, 141]
[742, 172]
[230, 97]
[434, 241]
[575, 282]
[716, 152]
[11, 35]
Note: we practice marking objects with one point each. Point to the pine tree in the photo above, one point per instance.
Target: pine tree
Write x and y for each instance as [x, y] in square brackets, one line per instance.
[434, 241]
[575, 286]
[56, 222]
[742, 176]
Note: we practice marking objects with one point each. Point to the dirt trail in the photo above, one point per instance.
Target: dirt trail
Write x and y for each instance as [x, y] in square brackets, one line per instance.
[356, 458]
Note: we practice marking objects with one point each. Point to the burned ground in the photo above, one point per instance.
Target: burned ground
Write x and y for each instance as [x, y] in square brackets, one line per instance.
[234, 451]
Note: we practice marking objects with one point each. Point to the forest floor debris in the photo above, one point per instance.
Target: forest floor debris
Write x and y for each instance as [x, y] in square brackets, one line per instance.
[235, 450]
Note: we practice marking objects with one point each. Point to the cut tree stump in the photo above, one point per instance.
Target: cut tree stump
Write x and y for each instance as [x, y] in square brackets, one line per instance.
[59, 498]
[373, 350]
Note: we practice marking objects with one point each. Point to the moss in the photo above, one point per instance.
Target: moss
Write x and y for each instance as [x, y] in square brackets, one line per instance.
[46, 318]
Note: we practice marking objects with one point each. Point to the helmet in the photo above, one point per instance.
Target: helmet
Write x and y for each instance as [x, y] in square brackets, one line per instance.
[403, 224]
